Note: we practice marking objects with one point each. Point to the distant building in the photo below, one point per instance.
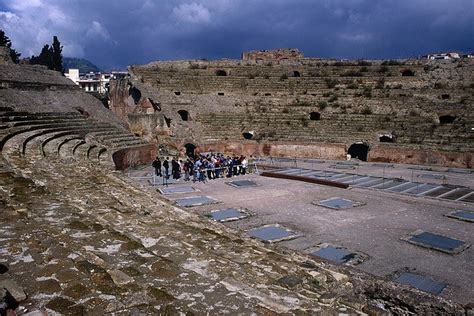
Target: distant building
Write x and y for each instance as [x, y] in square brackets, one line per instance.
[274, 54]
[73, 74]
[438, 56]
[94, 81]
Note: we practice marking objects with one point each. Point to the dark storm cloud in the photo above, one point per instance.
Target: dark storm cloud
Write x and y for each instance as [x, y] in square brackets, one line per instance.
[117, 33]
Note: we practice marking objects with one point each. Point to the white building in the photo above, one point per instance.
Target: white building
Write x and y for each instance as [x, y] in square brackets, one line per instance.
[437, 56]
[90, 82]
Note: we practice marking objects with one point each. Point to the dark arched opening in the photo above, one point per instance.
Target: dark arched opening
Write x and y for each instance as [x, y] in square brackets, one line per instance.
[247, 135]
[314, 116]
[156, 105]
[190, 148]
[359, 151]
[167, 121]
[408, 73]
[221, 73]
[386, 139]
[446, 119]
[184, 115]
[135, 94]
[294, 74]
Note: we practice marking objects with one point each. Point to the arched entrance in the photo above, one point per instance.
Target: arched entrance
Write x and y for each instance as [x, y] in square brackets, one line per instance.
[221, 73]
[184, 115]
[359, 151]
[135, 94]
[408, 73]
[190, 148]
[314, 116]
[248, 135]
[386, 139]
[294, 73]
[446, 119]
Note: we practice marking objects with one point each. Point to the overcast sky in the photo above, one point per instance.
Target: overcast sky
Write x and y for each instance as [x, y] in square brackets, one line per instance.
[117, 33]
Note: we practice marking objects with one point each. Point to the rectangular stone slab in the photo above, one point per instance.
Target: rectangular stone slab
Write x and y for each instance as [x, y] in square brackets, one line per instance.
[176, 190]
[195, 201]
[421, 283]
[242, 183]
[421, 189]
[272, 233]
[469, 198]
[337, 203]
[293, 171]
[462, 215]
[342, 166]
[334, 254]
[437, 242]
[432, 176]
[404, 187]
[369, 184]
[355, 178]
[227, 215]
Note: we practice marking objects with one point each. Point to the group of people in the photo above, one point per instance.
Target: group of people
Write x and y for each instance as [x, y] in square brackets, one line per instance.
[201, 167]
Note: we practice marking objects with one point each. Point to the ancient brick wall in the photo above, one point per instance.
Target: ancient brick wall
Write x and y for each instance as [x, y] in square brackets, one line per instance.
[274, 54]
[418, 105]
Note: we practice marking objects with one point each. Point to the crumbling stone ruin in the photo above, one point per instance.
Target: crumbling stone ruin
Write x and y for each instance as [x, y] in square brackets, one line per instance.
[79, 238]
[410, 111]
[276, 54]
[5, 56]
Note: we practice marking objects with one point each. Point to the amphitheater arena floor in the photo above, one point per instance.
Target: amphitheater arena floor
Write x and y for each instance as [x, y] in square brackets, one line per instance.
[376, 231]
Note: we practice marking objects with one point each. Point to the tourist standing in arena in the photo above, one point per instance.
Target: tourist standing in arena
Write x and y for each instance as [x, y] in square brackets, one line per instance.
[157, 165]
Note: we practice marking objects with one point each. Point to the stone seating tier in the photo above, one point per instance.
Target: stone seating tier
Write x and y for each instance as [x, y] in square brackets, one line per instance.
[62, 134]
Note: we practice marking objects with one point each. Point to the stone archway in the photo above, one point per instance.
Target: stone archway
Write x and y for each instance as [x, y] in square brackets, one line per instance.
[190, 148]
[314, 116]
[294, 73]
[359, 151]
[248, 135]
[135, 94]
[184, 115]
[446, 119]
[221, 73]
[386, 139]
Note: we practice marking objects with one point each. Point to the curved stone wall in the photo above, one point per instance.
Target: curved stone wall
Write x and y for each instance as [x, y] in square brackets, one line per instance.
[404, 103]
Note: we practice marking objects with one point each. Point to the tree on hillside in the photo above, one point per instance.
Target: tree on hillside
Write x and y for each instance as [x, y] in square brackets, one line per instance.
[5, 41]
[44, 58]
[56, 55]
[50, 56]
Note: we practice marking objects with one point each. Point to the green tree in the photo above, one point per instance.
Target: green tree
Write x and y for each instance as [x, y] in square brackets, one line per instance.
[50, 56]
[56, 55]
[5, 41]
[44, 58]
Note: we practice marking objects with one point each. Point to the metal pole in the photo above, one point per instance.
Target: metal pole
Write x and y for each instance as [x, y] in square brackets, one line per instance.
[383, 177]
[256, 169]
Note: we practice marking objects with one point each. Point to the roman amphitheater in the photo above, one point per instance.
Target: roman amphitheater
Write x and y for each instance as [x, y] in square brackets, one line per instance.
[87, 229]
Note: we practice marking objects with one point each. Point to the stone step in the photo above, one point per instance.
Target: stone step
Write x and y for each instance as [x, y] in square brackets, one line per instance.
[80, 130]
[27, 116]
[42, 122]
